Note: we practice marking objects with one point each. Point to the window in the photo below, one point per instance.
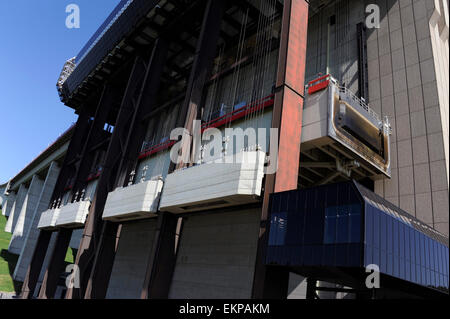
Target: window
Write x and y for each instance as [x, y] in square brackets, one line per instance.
[278, 229]
[342, 224]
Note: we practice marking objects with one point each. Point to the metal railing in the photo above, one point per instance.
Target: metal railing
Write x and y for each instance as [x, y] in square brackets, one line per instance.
[351, 98]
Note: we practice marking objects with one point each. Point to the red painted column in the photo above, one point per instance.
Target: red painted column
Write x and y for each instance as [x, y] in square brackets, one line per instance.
[271, 282]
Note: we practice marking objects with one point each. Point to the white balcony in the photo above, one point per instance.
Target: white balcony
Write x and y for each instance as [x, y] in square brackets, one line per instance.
[48, 219]
[214, 185]
[73, 215]
[133, 202]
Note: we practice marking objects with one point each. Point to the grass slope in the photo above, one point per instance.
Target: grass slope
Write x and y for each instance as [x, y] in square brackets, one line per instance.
[7, 261]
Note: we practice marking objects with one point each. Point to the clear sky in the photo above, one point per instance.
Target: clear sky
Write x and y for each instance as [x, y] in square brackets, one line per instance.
[35, 43]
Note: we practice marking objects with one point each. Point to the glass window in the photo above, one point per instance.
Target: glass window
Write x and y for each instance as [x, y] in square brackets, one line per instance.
[427, 252]
[401, 239]
[383, 232]
[435, 256]
[407, 249]
[342, 224]
[422, 249]
[342, 230]
[418, 251]
[390, 245]
[330, 230]
[355, 228]
[278, 228]
[376, 228]
[383, 261]
[395, 239]
[369, 225]
[389, 263]
[412, 246]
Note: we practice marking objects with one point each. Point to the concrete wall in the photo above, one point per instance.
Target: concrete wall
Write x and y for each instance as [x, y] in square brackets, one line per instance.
[405, 84]
[297, 286]
[17, 207]
[8, 204]
[404, 87]
[26, 215]
[3, 196]
[216, 257]
[32, 233]
[135, 244]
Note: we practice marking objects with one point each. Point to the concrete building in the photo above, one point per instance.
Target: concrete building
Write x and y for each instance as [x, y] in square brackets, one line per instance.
[347, 101]
[26, 196]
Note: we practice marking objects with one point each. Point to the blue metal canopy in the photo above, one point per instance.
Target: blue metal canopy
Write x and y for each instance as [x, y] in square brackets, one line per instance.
[347, 226]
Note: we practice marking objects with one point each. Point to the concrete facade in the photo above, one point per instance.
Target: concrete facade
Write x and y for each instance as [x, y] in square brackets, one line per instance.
[16, 208]
[217, 249]
[32, 233]
[26, 216]
[8, 204]
[404, 87]
[216, 256]
[408, 83]
[135, 244]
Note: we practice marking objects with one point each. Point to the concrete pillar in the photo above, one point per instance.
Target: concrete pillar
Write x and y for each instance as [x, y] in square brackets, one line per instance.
[15, 210]
[297, 286]
[9, 203]
[26, 215]
[32, 232]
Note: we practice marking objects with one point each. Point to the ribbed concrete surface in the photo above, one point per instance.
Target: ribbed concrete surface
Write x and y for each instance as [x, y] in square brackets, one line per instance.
[135, 244]
[216, 258]
[33, 233]
[16, 208]
[26, 215]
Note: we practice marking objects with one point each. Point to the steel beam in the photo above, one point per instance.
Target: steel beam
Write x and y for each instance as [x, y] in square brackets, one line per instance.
[202, 66]
[34, 269]
[99, 278]
[287, 118]
[161, 262]
[75, 146]
[56, 264]
[94, 223]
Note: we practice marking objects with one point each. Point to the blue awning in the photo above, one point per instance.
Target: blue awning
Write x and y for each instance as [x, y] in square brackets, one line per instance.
[346, 225]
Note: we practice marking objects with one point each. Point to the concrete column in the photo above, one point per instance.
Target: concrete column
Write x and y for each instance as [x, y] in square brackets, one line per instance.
[26, 215]
[15, 210]
[32, 233]
[9, 203]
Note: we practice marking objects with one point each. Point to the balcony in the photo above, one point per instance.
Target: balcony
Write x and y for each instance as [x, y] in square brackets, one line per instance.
[73, 215]
[214, 185]
[341, 133]
[133, 202]
[48, 219]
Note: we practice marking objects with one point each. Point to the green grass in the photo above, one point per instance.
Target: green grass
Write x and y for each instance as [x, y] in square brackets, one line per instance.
[7, 261]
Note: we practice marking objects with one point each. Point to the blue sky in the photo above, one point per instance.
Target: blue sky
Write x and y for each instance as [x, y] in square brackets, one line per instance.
[35, 43]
